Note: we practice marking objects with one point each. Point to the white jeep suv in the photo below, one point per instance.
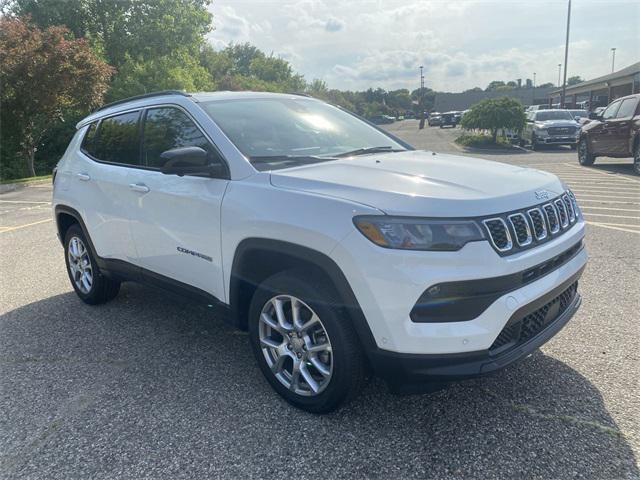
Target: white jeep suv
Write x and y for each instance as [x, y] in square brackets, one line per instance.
[340, 248]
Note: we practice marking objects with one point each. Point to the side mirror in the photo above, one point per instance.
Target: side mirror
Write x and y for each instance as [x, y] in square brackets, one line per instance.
[189, 161]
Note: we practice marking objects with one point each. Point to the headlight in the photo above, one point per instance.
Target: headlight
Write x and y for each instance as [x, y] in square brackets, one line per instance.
[418, 233]
[539, 127]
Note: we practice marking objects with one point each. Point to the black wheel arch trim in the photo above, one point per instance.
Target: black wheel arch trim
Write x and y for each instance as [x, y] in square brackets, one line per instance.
[306, 255]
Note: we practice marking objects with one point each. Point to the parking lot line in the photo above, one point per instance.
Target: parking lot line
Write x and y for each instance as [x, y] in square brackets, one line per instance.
[576, 167]
[18, 227]
[615, 209]
[624, 202]
[611, 216]
[24, 201]
[614, 226]
[580, 195]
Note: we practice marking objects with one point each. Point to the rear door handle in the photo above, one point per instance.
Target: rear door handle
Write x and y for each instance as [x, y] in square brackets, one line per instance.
[85, 177]
[139, 187]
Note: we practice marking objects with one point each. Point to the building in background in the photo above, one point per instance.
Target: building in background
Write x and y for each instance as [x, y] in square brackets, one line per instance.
[601, 91]
[446, 102]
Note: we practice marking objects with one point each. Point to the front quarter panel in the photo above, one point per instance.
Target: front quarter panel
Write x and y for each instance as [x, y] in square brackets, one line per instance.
[253, 208]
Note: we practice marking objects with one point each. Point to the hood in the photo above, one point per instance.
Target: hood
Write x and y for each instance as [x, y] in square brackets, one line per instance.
[558, 123]
[419, 183]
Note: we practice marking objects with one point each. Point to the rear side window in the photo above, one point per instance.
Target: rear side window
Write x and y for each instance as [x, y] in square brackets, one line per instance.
[627, 108]
[88, 143]
[168, 128]
[117, 139]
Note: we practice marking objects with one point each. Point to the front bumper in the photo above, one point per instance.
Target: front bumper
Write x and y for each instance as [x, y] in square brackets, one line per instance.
[557, 140]
[410, 373]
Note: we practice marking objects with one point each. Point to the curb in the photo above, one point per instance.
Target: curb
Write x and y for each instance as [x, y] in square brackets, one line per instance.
[513, 149]
[12, 187]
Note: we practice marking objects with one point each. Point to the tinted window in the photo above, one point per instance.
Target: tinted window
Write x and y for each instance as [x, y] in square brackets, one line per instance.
[169, 128]
[611, 110]
[88, 143]
[627, 108]
[117, 139]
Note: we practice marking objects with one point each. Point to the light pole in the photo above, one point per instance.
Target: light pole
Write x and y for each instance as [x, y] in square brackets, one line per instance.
[533, 93]
[421, 100]
[613, 59]
[559, 70]
[566, 57]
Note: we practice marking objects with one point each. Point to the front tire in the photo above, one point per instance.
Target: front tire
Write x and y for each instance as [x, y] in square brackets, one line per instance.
[304, 343]
[585, 158]
[534, 142]
[86, 278]
[636, 160]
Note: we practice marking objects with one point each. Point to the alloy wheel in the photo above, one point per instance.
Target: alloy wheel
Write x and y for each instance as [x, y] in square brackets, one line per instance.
[80, 265]
[582, 151]
[295, 345]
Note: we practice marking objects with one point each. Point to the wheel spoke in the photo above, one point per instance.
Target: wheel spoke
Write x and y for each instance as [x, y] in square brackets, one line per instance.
[295, 313]
[312, 321]
[295, 376]
[279, 308]
[321, 347]
[321, 367]
[270, 343]
[278, 365]
[270, 322]
[308, 378]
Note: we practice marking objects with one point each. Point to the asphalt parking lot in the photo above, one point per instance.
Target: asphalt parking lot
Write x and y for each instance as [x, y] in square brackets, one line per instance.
[151, 386]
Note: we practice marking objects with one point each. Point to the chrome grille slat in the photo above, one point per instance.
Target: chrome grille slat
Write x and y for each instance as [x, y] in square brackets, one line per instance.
[521, 229]
[537, 221]
[552, 218]
[512, 232]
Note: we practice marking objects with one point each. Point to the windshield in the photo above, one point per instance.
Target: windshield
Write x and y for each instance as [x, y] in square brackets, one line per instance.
[266, 130]
[578, 113]
[553, 115]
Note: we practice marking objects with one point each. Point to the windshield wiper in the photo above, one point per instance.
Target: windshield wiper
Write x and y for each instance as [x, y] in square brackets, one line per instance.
[365, 151]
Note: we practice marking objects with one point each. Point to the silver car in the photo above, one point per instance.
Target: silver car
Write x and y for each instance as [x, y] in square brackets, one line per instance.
[550, 127]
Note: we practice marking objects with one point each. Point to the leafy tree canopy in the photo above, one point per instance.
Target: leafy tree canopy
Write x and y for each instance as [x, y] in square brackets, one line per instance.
[495, 114]
[574, 80]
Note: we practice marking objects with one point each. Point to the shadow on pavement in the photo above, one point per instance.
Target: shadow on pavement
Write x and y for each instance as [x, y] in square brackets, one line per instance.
[149, 385]
[624, 168]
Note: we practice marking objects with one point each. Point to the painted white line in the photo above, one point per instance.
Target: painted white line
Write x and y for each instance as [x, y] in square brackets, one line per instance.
[586, 207]
[24, 201]
[601, 173]
[612, 227]
[604, 202]
[11, 229]
[616, 188]
[611, 216]
[582, 195]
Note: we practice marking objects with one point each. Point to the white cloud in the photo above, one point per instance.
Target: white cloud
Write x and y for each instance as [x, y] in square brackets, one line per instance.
[462, 44]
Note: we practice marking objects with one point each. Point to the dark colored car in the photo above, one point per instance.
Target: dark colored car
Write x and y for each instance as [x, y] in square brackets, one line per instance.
[449, 119]
[382, 119]
[616, 133]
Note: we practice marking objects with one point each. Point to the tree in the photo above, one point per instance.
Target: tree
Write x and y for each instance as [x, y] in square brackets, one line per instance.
[44, 74]
[494, 85]
[546, 85]
[495, 114]
[574, 80]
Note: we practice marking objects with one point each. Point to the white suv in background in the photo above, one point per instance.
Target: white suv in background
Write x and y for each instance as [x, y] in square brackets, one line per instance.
[339, 247]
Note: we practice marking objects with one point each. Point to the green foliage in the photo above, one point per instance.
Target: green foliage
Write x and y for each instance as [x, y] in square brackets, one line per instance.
[481, 141]
[576, 79]
[47, 77]
[495, 114]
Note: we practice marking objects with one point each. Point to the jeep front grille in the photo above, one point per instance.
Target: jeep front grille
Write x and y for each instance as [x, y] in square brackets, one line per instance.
[514, 231]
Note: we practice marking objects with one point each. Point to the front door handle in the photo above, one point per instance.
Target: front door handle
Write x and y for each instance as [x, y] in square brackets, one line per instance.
[85, 177]
[139, 187]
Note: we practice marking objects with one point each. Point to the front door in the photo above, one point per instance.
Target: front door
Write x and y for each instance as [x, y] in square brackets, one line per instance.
[176, 222]
[602, 135]
[621, 128]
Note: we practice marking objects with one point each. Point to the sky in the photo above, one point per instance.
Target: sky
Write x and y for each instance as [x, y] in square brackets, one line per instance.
[357, 44]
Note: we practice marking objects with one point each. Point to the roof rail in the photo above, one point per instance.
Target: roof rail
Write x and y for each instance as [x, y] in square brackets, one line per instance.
[140, 97]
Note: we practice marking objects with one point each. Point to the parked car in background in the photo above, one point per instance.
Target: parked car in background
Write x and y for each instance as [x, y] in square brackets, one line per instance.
[434, 119]
[596, 113]
[382, 119]
[579, 114]
[449, 119]
[457, 116]
[616, 133]
[550, 127]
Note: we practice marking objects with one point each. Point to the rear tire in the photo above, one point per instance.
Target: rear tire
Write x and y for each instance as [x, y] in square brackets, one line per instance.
[86, 278]
[585, 158]
[534, 143]
[317, 381]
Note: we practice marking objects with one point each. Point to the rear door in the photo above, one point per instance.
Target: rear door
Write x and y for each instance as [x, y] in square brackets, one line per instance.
[110, 149]
[602, 136]
[176, 220]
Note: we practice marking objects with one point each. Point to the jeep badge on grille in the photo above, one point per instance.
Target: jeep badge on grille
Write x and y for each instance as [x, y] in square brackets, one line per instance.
[541, 194]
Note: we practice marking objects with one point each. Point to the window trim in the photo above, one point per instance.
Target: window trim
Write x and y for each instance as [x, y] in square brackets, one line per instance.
[225, 163]
[634, 101]
[141, 118]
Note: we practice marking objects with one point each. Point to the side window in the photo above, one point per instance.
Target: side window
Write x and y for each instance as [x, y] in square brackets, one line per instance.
[627, 108]
[611, 110]
[117, 139]
[167, 128]
[88, 143]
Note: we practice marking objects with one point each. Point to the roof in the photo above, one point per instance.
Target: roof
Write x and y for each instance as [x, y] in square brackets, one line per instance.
[625, 72]
[177, 97]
